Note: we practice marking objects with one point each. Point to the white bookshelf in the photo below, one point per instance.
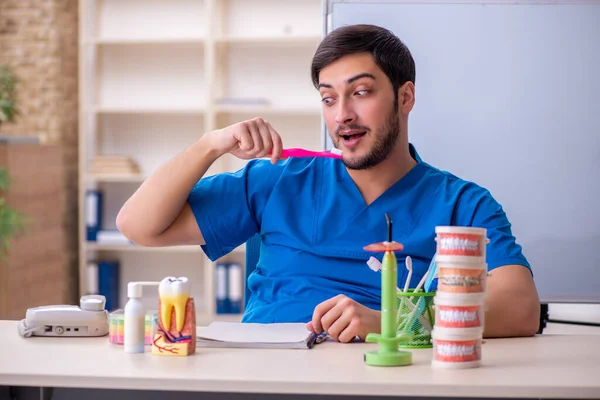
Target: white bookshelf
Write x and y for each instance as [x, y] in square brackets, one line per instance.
[155, 75]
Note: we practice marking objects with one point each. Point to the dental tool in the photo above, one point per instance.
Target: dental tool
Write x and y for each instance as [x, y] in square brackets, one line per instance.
[388, 353]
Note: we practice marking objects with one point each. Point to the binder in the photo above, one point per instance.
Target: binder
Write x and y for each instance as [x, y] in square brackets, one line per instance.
[108, 283]
[92, 278]
[221, 288]
[235, 288]
[93, 213]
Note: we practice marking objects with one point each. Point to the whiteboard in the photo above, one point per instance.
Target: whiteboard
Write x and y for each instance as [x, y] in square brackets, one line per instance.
[508, 96]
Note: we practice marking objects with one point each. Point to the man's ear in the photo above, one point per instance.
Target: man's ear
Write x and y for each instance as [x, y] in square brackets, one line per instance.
[406, 97]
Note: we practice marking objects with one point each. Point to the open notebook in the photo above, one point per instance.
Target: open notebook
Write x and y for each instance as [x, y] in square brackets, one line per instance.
[254, 335]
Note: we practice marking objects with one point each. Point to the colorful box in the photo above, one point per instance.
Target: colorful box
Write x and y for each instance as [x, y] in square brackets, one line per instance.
[116, 326]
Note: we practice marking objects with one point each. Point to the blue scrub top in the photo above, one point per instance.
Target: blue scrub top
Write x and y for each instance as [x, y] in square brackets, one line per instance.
[314, 224]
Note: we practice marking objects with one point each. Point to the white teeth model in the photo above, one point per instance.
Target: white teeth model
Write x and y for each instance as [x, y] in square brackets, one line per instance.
[458, 316]
[459, 244]
[173, 292]
[455, 350]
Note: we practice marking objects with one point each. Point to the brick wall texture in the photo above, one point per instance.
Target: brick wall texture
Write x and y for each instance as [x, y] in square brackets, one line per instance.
[38, 38]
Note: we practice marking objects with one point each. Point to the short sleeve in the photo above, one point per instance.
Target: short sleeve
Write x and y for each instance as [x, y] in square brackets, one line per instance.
[228, 207]
[478, 208]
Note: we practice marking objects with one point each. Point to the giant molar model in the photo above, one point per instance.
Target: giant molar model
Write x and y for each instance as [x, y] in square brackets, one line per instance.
[176, 334]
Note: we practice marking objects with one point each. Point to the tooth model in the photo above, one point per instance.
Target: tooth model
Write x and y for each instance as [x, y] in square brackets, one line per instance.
[176, 334]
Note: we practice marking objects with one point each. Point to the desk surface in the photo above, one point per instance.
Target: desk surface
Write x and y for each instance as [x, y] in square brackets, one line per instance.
[551, 366]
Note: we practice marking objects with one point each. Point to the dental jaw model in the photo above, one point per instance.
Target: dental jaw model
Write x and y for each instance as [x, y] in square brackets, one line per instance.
[388, 353]
[460, 297]
[176, 334]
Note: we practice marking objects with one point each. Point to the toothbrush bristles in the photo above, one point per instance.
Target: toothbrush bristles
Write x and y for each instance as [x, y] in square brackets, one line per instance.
[374, 264]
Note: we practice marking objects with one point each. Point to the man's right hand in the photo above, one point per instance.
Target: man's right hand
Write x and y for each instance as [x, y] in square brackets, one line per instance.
[249, 139]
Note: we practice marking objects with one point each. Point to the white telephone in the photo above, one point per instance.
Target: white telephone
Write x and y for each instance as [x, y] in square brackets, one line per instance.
[88, 319]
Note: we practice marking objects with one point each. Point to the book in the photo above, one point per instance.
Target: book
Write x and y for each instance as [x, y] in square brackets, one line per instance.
[235, 288]
[221, 288]
[285, 335]
[93, 214]
[108, 282]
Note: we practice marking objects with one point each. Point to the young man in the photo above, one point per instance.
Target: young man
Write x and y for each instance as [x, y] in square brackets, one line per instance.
[315, 215]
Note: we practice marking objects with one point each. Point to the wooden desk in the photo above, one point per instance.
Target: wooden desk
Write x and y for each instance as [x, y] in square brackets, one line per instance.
[546, 366]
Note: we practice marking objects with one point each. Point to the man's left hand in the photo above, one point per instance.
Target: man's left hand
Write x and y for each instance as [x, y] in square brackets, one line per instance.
[344, 319]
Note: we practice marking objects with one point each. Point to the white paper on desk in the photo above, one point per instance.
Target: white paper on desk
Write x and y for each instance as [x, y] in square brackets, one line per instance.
[290, 335]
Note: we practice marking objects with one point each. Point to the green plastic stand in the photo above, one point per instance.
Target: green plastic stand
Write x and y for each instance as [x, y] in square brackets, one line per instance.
[388, 354]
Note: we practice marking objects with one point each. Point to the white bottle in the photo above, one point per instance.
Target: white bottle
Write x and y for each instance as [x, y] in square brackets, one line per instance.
[135, 318]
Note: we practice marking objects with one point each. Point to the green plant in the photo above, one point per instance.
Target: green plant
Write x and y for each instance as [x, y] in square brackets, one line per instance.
[12, 222]
[8, 107]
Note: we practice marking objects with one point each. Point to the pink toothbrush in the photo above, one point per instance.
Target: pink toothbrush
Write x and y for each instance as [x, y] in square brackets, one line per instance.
[334, 153]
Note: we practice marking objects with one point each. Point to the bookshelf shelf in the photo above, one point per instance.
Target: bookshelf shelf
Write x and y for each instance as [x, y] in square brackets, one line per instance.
[147, 41]
[115, 178]
[150, 110]
[155, 76]
[311, 41]
[267, 110]
[92, 246]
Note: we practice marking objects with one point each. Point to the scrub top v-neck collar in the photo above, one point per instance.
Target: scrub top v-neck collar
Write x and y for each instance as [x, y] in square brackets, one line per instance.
[339, 238]
[404, 183]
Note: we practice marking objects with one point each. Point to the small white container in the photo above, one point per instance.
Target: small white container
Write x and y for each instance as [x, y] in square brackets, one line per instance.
[133, 326]
[467, 243]
[456, 348]
[459, 310]
[134, 318]
[461, 278]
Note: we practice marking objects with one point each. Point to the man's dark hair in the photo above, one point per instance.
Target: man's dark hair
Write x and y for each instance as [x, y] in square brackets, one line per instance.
[388, 51]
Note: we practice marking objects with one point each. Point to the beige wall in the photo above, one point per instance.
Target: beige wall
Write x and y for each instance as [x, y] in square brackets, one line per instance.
[39, 39]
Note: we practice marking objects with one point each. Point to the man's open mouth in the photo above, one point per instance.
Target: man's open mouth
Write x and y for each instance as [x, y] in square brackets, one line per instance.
[353, 135]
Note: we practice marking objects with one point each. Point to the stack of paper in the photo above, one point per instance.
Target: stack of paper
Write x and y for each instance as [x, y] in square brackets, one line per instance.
[253, 335]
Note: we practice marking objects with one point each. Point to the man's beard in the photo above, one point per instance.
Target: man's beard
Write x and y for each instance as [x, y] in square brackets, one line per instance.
[385, 140]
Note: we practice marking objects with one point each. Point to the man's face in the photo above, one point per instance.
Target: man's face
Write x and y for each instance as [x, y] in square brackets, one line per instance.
[359, 109]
